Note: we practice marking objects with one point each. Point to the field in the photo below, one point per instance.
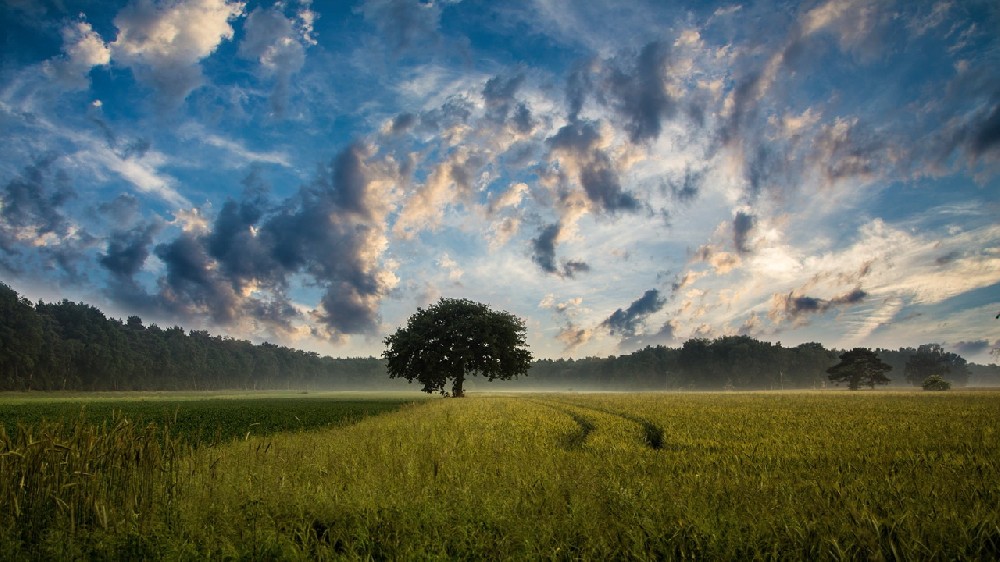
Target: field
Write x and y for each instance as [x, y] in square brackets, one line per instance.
[824, 475]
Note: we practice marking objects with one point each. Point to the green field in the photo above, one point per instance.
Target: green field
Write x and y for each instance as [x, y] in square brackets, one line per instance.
[824, 475]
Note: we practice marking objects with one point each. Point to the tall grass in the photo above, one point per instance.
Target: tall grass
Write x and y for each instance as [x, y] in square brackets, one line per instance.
[67, 484]
[825, 476]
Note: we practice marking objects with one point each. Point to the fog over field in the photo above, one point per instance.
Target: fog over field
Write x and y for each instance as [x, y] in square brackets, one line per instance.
[617, 174]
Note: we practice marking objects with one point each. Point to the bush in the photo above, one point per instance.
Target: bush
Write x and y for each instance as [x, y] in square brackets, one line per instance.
[935, 382]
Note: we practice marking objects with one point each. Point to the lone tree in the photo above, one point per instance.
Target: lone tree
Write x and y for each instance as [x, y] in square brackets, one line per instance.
[859, 366]
[456, 338]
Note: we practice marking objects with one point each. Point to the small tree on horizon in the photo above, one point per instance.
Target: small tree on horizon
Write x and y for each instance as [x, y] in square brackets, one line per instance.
[936, 382]
[859, 366]
[454, 339]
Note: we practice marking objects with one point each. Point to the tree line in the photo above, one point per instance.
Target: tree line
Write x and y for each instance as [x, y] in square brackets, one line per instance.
[74, 346]
[744, 363]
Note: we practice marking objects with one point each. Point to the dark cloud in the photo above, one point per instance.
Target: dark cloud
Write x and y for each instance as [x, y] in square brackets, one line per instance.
[853, 297]
[580, 141]
[794, 306]
[502, 107]
[544, 248]
[974, 347]
[456, 110]
[242, 254]
[402, 123]
[32, 204]
[639, 94]
[191, 284]
[624, 322]
[349, 181]
[544, 254]
[241, 266]
[127, 250]
[686, 189]
[578, 84]
[743, 223]
[34, 226]
[123, 209]
[986, 135]
[572, 267]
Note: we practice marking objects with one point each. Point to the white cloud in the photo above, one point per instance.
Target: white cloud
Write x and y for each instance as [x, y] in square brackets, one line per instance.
[164, 42]
[143, 172]
[237, 154]
[83, 49]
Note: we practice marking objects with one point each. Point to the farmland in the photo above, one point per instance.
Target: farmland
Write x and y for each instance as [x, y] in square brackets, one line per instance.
[823, 475]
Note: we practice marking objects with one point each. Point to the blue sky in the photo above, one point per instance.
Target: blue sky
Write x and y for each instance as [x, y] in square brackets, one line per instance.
[618, 174]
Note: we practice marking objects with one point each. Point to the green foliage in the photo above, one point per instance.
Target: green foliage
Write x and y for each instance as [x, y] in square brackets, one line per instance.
[931, 359]
[936, 382]
[456, 338]
[859, 366]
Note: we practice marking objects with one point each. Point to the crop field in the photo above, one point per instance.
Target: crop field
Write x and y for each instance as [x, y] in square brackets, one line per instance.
[819, 476]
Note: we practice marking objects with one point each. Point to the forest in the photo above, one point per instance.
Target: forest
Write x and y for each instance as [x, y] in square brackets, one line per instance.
[75, 346]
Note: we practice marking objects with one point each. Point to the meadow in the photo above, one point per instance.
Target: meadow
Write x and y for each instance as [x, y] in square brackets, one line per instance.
[786, 475]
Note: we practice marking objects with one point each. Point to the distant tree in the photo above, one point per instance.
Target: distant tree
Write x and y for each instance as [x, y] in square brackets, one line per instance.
[456, 338]
[931, 359]
[936, 382]
[859, 366]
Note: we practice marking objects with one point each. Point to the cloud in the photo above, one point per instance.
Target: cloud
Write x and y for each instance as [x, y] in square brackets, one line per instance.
[279, 47]
[544, 254]
[127, 250]
[545, 248]
[163, 43]
[624, 322]
[402, 24]
[450, 182]
[969, 348]
[503, 108]
[32, 207]
[83, 48]
[793, 306]
[743, 223]
[579, 147]
[239, 266]
[687, 188]
[984, 135]
[640, 95]
[191, 285]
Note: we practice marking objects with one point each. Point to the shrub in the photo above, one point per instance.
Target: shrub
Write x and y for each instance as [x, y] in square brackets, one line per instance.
[936, 382]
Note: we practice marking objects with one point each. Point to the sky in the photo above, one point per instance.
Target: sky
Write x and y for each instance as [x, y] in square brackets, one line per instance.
[617, 174]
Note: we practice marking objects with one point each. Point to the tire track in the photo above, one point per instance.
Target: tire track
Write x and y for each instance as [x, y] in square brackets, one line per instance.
[652, 434]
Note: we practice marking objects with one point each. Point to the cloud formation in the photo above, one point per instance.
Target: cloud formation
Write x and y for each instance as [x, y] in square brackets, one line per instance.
[797, 173]
[624, 322]
[163, 43]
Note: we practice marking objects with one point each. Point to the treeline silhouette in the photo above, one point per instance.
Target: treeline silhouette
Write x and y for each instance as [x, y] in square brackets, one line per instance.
[74, 346]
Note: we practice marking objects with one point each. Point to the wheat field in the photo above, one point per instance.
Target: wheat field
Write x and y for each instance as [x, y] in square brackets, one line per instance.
[796, 475]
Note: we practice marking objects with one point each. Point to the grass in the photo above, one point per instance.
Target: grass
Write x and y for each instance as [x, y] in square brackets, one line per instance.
[211, 417]
[832, 475]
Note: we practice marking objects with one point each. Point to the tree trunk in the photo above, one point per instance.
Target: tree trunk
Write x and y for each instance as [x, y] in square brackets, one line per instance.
[456, 389]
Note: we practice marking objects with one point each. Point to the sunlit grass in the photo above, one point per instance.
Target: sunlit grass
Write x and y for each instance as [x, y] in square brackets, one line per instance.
[562, 476]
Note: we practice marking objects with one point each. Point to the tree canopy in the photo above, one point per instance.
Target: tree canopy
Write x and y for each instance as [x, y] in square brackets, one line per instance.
[860, 366]
[454, 339]
[931, 359]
